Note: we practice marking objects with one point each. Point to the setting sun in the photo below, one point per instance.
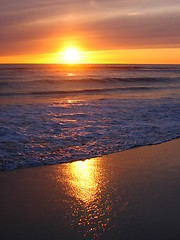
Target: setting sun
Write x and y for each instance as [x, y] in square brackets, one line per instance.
[71, 55]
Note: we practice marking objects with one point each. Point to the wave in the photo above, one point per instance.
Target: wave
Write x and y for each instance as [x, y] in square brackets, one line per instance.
[146, 80]
[135, 80]
[61, 67]
[82, 91]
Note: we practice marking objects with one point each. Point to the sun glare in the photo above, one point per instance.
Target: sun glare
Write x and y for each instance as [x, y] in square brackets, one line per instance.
[71, 55]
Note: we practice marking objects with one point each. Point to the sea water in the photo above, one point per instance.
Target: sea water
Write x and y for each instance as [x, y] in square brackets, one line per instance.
[52, 114]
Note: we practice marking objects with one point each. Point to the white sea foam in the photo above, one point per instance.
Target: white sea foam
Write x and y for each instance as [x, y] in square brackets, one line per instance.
[39, 134]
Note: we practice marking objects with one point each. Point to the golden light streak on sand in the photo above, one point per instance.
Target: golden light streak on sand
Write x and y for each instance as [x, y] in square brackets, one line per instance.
[83, 181]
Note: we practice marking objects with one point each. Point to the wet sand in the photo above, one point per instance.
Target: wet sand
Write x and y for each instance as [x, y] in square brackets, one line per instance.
[133, 194]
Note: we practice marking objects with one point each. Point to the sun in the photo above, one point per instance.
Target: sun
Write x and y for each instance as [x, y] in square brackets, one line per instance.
[71, 55]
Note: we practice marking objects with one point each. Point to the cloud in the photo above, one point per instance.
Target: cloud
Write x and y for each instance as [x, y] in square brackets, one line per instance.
[103, 24]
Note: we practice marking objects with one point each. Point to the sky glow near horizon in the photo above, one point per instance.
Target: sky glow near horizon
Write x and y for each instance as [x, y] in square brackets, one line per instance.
[105, 31]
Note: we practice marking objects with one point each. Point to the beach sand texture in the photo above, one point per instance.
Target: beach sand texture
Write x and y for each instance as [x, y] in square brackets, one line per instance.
[128, 195]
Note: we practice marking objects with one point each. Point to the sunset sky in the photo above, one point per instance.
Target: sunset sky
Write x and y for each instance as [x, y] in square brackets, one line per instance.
[102, 31]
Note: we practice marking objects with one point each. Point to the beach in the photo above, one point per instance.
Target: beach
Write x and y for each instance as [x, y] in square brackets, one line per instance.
[90, 120]
[132, 194]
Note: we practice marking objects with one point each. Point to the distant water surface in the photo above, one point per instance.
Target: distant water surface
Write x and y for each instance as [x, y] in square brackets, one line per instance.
[60, 113]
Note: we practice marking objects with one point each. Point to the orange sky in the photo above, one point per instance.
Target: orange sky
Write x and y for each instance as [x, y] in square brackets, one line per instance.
[117, 31]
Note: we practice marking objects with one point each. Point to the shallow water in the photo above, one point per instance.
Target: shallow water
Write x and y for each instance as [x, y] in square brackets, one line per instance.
[129, 195]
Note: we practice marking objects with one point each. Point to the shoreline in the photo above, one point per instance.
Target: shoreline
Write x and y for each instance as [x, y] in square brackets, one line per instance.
[97, 156]
[133, 194]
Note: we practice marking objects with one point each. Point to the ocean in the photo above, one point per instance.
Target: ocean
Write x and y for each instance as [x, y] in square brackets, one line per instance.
[52, 114]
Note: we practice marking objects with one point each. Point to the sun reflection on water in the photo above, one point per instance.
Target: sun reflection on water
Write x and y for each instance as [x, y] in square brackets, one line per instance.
[71, 74]
[91, 206]
[84, 180]
[72, 101]
[91, 197]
